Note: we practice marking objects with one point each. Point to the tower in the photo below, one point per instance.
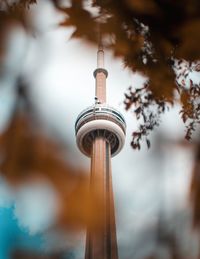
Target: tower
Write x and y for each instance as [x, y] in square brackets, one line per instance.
[100, 135]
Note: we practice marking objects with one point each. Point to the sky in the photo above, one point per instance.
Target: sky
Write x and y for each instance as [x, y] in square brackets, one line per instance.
[148, 184]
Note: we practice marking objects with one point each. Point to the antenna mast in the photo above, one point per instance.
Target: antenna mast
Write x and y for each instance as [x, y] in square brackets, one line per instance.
[100, 74]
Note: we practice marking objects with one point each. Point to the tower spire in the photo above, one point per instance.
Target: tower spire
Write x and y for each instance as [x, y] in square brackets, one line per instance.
[100, 75]
[100, 57]
[100, 54]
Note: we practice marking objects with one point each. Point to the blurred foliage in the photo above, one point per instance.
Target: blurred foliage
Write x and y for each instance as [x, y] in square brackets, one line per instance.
[149, 35]
[143, 100]
[14, 11]
[28, 155]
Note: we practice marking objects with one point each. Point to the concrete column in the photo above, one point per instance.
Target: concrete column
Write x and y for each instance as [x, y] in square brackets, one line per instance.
[101, 87]
[101, 233]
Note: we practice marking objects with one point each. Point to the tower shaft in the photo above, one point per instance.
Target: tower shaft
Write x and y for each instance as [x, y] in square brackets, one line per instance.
[101, 240]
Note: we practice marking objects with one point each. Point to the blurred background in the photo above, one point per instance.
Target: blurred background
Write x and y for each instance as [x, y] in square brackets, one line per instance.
[46, 79]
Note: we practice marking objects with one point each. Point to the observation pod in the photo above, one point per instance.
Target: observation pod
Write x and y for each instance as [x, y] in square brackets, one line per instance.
[100, 120]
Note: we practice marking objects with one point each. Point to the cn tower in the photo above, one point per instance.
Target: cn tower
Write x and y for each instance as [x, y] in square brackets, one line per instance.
[100, 135]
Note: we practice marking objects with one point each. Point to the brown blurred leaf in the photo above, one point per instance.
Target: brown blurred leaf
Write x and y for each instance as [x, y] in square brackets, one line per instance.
[85, 25]
[189, 35]
[28, 155]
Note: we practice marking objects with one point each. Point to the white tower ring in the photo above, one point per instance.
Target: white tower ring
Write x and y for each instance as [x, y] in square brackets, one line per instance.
[100, 124]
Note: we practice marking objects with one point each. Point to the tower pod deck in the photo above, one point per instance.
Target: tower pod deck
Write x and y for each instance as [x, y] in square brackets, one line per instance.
[100, 120]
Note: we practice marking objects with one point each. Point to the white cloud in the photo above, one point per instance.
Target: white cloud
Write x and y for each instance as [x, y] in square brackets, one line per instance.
[36, 206]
